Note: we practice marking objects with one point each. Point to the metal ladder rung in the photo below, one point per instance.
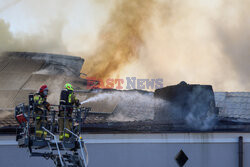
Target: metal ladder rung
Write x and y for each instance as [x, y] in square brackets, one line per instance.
[80, 144]
[58, 150]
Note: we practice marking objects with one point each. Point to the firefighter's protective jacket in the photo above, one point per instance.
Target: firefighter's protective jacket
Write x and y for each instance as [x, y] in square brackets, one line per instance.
[41, 106]
[67, 100]
[40, 102]
[68, 97]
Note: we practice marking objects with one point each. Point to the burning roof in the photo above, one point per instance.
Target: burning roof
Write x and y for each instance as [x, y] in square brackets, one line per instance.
[174, 108]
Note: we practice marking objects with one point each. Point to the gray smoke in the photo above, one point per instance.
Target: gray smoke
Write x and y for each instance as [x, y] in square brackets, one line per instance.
[46, 41]
[234, 35]
[193, 106]
[207, 39]
[201, 114]
[198, 122]
[135, 106]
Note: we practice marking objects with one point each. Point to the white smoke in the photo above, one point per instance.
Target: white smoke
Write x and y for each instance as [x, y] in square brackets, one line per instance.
[131, 106]
[135, 106]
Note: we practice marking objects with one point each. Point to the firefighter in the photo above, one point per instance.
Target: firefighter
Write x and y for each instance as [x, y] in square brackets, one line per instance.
[41, 107]
[67, 101]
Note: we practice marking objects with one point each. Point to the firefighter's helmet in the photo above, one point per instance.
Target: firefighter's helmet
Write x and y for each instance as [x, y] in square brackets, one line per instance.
[68, 86]
[44, 90]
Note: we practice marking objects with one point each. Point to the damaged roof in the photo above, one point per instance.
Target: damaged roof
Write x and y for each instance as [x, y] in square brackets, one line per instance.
[232, 117]
[23, 75]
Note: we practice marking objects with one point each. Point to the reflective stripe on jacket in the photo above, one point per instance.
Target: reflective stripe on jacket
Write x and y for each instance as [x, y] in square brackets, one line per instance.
[67, 97]
[39, 101]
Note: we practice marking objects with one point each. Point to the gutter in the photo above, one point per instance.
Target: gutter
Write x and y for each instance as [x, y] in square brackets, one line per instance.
[240, 151]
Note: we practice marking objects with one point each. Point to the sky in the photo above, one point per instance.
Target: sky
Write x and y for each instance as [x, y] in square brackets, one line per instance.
[198, 41]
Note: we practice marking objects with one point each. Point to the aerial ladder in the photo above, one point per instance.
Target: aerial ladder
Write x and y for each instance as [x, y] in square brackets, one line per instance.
[70, 152]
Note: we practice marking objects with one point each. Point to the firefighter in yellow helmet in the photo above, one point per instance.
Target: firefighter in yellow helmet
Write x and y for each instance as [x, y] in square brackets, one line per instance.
[67, 101]
[41, 106]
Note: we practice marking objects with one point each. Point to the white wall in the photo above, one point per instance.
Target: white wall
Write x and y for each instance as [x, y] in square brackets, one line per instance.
[146, 150]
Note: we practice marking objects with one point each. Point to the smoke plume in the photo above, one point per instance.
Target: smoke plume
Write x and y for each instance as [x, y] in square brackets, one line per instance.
[198, 42]
[202, 42]
[234, 35]
[48, 41]
[121, 37]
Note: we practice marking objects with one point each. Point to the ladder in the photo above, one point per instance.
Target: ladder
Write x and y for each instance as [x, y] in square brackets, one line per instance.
[63, 157]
